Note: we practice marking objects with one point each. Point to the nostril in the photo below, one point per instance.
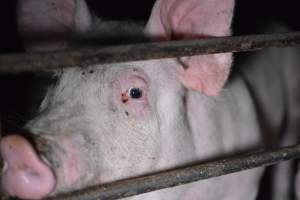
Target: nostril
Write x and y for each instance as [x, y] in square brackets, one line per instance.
[24, 175]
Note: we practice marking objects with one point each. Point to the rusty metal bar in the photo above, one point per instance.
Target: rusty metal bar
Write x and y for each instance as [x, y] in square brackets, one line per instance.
[131, 187]
[16, 63]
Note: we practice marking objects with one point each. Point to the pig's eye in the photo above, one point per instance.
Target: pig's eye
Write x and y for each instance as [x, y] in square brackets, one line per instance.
[135, 93]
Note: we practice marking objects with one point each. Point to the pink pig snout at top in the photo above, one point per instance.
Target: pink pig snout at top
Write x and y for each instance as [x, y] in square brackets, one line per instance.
[25, 175]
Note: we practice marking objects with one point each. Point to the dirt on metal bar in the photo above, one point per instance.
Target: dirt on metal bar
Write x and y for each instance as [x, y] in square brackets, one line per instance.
[135, 186]
[16, 63]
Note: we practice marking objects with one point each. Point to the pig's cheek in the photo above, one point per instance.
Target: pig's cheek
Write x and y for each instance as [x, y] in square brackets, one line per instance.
[70, 167]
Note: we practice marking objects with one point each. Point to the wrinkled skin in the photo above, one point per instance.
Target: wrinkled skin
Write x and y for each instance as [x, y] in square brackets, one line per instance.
[109, 122]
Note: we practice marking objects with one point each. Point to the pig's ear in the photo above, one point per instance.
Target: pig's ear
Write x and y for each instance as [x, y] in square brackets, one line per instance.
[49, 24]
[195, 19]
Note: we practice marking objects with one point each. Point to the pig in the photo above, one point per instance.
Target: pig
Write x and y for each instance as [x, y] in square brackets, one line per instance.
[102, 123]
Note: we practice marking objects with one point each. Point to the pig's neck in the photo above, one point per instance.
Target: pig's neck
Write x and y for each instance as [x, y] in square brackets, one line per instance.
[224, 124]
[204, 128]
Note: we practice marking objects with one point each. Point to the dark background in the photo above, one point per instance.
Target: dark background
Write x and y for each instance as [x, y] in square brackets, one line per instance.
[17, 92]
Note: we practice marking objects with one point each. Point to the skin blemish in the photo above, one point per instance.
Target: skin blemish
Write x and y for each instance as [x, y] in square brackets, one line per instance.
[127, 113]
[124, 98]
[113, 109]
[83, 73]
[91, 71]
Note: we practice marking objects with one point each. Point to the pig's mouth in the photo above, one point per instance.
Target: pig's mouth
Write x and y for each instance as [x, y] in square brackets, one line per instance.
[24, 174]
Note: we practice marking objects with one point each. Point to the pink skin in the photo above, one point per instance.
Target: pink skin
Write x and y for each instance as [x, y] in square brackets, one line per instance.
[24, 174]
[71, 165]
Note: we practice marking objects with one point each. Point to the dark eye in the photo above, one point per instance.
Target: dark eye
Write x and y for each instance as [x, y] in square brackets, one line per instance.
[135, 93]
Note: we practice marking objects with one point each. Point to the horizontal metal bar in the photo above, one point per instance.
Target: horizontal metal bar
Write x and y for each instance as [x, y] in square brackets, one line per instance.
[16, 63]
[131, 187]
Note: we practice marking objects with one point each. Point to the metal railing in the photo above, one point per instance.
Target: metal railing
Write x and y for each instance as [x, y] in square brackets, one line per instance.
[18, 63]
[135, 186]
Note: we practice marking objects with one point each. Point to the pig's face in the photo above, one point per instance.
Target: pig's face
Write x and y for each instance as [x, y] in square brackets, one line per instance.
[112, 131]
[104, 123]
[101, 124]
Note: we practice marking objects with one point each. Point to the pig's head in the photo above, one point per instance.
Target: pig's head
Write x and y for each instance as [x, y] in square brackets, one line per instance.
[103, 123]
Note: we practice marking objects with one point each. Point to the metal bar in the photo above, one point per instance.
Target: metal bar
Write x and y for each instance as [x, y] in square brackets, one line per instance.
[131, 187]
[16, 63]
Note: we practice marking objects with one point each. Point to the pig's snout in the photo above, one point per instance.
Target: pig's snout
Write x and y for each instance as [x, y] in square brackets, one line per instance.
[25, 175]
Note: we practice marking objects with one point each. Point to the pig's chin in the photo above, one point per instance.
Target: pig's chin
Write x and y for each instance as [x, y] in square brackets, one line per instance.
[24, 174]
